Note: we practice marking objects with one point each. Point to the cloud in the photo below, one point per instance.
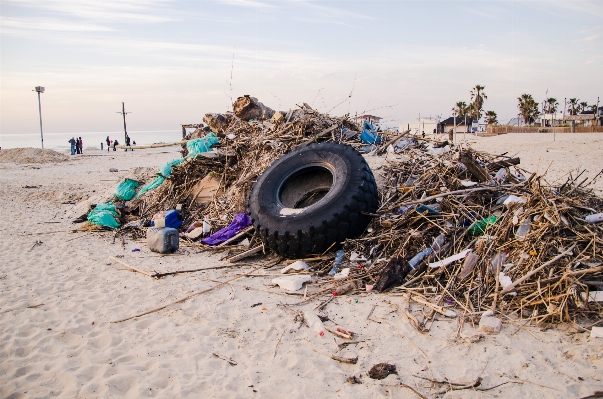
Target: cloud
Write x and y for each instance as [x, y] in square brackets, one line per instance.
[330, 12]
[51, 24]
[249, 4]
[134, 11]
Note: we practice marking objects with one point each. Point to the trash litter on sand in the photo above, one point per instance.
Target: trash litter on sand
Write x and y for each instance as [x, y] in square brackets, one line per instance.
[163, 240]
[493, 233]
[292, 283]
[381, 370]
[240, 222]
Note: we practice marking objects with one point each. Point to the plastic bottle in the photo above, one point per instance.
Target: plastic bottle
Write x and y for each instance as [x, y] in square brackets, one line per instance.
[337, 262]
[404, 209]
[523, 229]
[501, 175]
[497, 261]
[314, 322]
[596, 218]
[435, 247]
[342, 289]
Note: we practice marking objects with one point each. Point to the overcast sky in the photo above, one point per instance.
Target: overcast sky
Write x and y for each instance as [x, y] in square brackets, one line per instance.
[172, 61]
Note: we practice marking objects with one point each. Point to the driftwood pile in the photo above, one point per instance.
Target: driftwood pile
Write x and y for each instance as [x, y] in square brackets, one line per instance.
[522, 246]
[533, 255]
[247, 147]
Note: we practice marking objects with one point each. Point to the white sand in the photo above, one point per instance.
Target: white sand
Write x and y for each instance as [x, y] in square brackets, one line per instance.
[68, 347]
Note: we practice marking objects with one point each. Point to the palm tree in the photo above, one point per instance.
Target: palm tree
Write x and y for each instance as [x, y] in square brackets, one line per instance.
[477, 97]
[551, 105]
[583, 106]
[528, 108]
[491, 118]
[573, 106]
[460, 109]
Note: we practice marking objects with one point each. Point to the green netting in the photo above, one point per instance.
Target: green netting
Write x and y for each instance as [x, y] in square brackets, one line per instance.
[126, 189]
[104, 215]
[203, 144]
[166, 170]
[151, 186]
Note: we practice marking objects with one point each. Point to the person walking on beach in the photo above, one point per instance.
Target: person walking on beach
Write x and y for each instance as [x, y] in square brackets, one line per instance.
[115, 143]
[72, 142]
[128, 143]
[81, 146]
[108, 143]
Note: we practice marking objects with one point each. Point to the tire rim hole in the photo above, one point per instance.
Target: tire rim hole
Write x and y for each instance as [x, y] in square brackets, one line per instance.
[306, 187]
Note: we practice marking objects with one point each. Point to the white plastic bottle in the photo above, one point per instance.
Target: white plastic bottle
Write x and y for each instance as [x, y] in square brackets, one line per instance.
[596, 218]
[314, 322]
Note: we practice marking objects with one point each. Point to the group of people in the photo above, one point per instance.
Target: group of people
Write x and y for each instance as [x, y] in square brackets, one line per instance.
[114, 143]
[77, 146]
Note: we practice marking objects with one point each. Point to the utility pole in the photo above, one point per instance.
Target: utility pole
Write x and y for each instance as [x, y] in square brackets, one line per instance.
[40, 89]
[123, 112]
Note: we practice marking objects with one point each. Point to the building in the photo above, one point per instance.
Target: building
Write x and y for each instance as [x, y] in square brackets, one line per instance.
[419, 125]
[448, 124]
[372, 119]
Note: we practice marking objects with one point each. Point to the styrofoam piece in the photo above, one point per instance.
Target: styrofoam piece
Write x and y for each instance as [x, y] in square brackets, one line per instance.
[514, 199]
[344, 273]
[292, 283]
[298, 266]
[468, 183]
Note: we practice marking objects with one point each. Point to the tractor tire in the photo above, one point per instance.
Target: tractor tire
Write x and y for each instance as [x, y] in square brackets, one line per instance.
[313, 198]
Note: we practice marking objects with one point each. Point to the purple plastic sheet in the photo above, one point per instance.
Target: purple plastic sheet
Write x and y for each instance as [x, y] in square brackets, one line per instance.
[239, 222]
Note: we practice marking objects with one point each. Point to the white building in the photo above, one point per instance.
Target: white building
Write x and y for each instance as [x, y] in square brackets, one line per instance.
[419, 125]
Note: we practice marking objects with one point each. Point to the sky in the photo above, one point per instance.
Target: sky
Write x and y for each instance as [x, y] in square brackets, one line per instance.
[172, 61]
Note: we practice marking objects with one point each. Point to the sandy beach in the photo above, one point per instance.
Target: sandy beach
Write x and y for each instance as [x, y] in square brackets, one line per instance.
[61, 295]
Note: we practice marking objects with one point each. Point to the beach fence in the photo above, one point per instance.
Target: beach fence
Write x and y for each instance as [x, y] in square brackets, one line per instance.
[547, 129]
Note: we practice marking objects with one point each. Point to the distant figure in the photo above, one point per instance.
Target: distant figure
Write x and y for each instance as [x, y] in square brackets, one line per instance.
[81, 146]
[108, 144]
[434, 131]
[72, 142]
[134, 142]
[115, 143]
[127, 142]
[423, 134]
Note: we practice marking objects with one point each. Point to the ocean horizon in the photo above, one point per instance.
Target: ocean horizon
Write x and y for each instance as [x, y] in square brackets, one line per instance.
[59, 141]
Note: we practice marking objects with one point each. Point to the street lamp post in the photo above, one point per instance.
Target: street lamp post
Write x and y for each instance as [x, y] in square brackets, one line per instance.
[40, 89]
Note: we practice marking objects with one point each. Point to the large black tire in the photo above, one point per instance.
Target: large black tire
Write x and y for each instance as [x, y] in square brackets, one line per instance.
[312, 198]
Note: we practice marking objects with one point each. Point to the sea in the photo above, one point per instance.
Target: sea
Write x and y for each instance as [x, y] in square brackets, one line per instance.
[59, 141]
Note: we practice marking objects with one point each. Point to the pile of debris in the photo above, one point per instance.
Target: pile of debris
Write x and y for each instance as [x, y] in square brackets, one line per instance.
[456, 228]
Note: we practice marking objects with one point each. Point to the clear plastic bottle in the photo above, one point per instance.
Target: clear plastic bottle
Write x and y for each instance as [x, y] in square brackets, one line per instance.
[523, 229]
[337, 262]
[497, 261]
[501, 175]
[435, 247]
[314, 322]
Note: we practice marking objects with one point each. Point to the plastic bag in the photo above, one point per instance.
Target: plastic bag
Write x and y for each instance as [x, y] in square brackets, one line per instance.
[151, 186]
[239, 222]
[203, 144]
[166, 170]
[104, 215]
[126, 189]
